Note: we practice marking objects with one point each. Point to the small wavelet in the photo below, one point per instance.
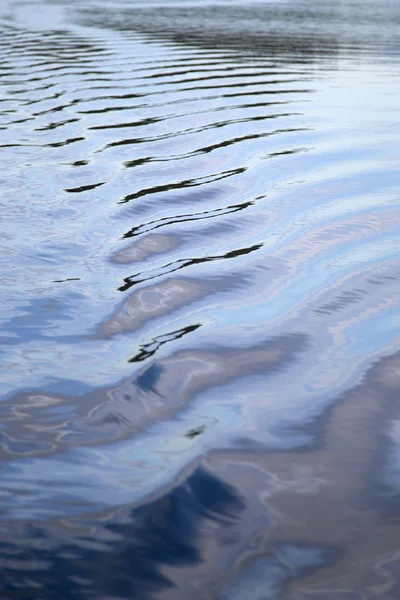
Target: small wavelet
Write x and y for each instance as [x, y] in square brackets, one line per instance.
[200, 291]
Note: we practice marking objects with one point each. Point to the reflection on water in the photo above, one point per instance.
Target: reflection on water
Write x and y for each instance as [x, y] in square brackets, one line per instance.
[238, 523]
[199, 275]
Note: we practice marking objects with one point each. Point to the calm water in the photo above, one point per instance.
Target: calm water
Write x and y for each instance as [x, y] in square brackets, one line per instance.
[199, 300]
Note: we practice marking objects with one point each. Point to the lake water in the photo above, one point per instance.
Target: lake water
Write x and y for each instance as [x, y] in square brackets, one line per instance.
[199, 274]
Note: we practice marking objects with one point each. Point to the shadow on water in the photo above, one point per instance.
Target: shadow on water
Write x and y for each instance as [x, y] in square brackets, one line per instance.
[241, 525]
[124, 555]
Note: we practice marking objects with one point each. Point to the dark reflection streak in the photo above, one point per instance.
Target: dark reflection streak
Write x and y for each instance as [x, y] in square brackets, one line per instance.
[210, 76]
[20, 145]
[132, 141]
[55, 109]
[181, 264]
[148, 350]
[141, 161]
[54, 96]
[204, 111]
[79, 163]
[137, 162]
[84, 188]
[181, 184]
[244, 138]
[287, 152]
[250, 105]
[139, 229]
[170, 62]
[230, 95]
[238, 106]
[226, 143]
[8, 123]
[234, 68]
[8, 100]
[56, 70]
[62, 67]
[24, 90]
[52, 126]
[262, 64]
[91, 72]
[68, 279]
[57, 83]
[218, 77]
[64, 143]
[115, 97]
[63, 54]
[141, 123]
[210, 126]
[114, 86]
[14, 81]
[185, 101]
[241, 85]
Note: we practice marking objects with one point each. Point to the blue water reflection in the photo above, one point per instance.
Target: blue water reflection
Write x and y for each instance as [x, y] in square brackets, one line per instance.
[199, 300]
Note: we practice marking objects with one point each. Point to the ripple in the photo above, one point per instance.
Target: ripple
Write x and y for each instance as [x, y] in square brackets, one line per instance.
[200, 293]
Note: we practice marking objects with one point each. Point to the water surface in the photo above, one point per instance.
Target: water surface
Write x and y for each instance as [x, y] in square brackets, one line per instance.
[199, 300]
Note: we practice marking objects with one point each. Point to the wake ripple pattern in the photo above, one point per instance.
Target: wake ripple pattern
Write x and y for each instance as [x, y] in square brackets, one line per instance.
[200, 284]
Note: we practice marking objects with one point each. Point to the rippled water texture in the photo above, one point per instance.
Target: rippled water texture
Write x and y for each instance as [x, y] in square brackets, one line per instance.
[199, 300]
